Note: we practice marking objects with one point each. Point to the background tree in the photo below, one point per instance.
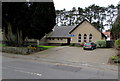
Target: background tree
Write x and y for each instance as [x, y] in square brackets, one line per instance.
[115, 30]
[99, 16]
[102, 17]
[79, 16]
[111, 14]
[97, 25]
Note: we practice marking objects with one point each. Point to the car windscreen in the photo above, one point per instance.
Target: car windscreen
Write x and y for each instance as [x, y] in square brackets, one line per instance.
[88, 44]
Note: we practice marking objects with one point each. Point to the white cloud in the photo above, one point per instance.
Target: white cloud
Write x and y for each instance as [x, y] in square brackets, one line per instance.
[69, 4]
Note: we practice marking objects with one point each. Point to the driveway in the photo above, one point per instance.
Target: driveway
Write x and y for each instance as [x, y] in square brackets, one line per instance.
[72, 56]
[77, 54]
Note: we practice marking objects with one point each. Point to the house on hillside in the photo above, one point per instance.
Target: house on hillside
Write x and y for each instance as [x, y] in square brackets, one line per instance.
[107, 34]
[83, 32]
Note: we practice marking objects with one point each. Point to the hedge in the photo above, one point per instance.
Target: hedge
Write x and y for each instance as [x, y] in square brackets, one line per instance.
[117, 44]
[101, 43]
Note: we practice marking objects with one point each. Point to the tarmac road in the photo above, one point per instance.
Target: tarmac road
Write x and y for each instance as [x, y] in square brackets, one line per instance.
[17, 68]
[60, 63]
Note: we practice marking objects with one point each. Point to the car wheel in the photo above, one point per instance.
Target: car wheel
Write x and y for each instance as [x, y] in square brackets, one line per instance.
[92, 48]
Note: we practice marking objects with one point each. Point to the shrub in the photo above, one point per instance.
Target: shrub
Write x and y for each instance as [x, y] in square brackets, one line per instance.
[116, 61]
[101, 43]
[72, 44]
[82, 44]
[117, 44]
[30, 47]
[114, 57]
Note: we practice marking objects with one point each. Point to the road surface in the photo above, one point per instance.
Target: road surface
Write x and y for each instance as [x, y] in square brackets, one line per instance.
[17, 68]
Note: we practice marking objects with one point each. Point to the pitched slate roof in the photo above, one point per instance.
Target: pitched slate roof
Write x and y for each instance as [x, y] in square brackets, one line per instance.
[65, 31]
[61, 31]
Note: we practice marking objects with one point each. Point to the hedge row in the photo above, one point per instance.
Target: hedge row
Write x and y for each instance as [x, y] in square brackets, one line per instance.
[117, 44]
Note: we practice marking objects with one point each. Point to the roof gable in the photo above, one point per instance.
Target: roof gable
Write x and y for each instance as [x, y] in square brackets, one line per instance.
[79, 25]
[90, 24]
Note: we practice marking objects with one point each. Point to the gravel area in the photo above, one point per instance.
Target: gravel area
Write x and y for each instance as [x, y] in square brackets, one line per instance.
[77, 54]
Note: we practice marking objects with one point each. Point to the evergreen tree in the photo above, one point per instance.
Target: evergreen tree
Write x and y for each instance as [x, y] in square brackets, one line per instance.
[27, 19]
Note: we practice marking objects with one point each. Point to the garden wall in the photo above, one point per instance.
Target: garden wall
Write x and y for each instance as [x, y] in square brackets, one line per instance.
[19, 50]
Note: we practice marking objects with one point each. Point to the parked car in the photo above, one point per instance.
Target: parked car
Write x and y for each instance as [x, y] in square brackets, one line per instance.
[89, 45]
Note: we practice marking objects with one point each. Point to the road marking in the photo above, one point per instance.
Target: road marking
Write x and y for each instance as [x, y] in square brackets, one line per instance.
[19, 70]
[38, 74]
[84, 64]
[66, 65]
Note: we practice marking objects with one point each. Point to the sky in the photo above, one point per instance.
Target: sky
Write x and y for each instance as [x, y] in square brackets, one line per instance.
[69, 4]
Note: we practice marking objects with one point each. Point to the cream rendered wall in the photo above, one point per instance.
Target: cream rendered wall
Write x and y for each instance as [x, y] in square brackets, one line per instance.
[64, 40]
[85, 28]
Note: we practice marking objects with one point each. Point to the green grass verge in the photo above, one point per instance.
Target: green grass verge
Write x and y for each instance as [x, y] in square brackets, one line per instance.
[46, 47]
[1, 45]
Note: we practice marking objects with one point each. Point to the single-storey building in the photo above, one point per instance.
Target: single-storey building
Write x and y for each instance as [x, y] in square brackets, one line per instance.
[83, 32]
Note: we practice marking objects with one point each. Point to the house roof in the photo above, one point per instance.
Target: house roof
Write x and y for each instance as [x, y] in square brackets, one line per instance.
[78, 25]
[106, 33]
[65, 31]
[61, 31]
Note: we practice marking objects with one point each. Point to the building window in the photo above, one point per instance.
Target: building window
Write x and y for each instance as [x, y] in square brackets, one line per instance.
[79, 38]
[53, 39]
[79, 34]
[85, 38]
[61, 39]
[90, 38]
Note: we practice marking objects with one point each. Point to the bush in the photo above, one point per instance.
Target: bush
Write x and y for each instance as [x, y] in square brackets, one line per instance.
[101, 43]
[117, 44]
[82, 44]
[114, 57]
[72, 44]
[116, 61]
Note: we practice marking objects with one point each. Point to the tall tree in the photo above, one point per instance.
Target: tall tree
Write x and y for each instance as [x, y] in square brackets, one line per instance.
[27, 19]
[115, 30]
[102, 17]
[80, 15]
[111, 14]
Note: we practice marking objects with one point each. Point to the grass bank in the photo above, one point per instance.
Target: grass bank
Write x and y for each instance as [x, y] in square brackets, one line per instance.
[1, 45]
[46, 47]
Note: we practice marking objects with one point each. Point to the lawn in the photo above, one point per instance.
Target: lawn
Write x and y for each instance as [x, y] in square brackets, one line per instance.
[1, 45]
[46, 47]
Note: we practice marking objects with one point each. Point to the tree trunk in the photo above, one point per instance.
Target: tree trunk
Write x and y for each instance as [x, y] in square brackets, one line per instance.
[19, 37]
[12, 39]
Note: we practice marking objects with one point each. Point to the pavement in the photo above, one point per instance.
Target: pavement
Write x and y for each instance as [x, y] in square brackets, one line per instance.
[73, 56]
